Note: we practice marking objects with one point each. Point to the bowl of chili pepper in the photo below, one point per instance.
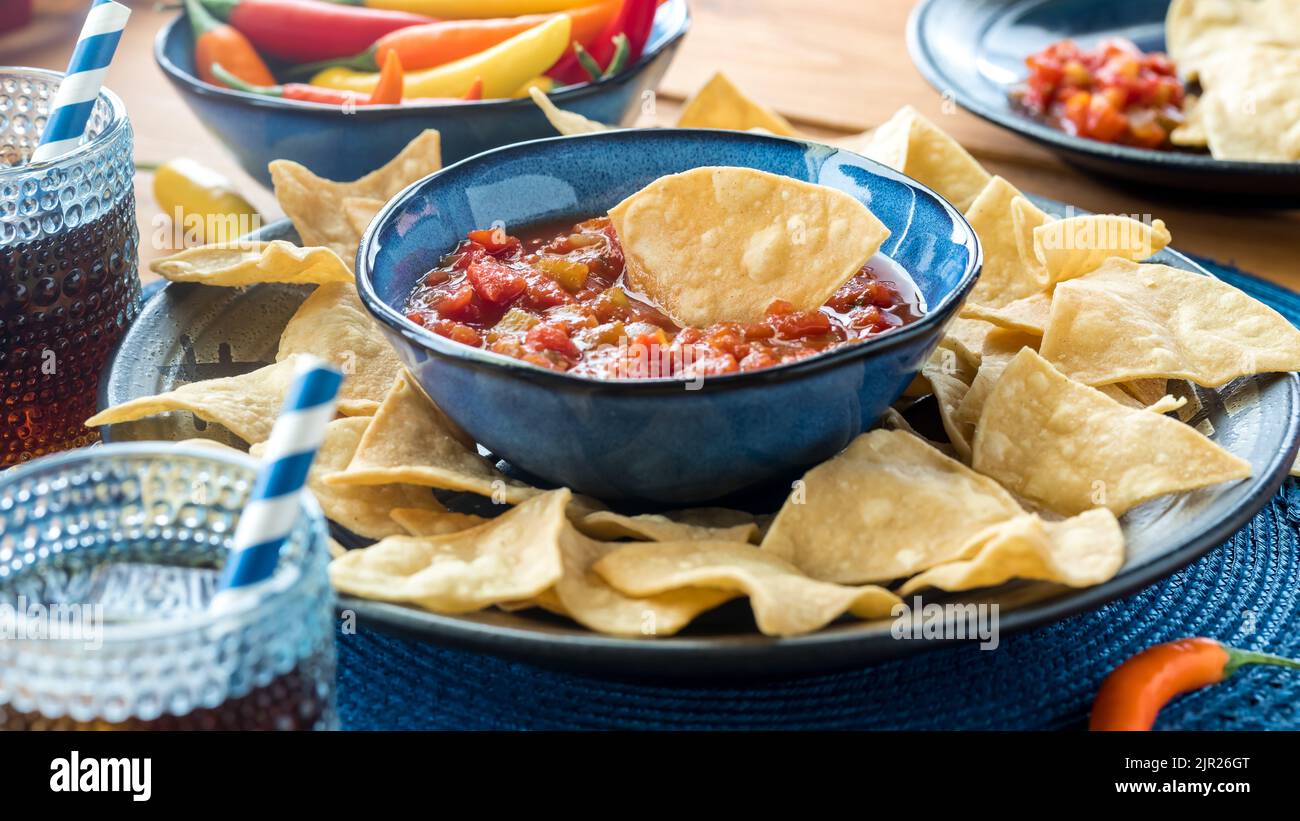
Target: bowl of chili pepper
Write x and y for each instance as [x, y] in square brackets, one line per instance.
[510, 306]
[343, 88]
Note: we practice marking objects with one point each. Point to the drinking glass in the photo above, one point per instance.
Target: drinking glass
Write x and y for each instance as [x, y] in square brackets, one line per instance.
[108, 559]
[69, 284]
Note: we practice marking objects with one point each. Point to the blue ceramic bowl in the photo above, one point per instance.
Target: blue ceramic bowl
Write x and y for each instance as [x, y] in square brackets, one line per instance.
[339, 146]
[653, 439]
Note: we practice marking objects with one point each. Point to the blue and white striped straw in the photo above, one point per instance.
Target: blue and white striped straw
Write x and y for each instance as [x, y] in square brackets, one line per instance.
[273, 509]
[75, 100]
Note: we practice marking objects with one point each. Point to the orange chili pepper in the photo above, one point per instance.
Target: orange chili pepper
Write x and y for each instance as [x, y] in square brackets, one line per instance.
[216, 42]
[391, 82]
[1132, 695]
[434, 44]
[445, 41]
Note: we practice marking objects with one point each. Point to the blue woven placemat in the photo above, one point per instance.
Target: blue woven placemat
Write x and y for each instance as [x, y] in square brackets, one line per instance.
[1243, 593]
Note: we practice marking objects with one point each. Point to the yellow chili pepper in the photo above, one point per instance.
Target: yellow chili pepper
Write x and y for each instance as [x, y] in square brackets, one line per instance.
[504, 67]
[201, 203]
[470, 9]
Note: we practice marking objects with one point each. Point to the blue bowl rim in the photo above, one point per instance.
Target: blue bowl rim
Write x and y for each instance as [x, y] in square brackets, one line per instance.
[561, 94]
[930, 323]
[922, 56]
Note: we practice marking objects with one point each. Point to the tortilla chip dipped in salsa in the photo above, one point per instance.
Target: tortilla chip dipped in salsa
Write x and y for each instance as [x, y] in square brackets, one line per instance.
[710, 271]
[720, 244]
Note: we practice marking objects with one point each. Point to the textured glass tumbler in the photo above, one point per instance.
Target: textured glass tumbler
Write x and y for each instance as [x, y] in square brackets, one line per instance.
[69, 284]
[70, 521]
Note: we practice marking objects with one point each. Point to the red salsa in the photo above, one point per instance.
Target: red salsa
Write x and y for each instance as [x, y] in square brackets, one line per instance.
[1114, 93]
[556, 297]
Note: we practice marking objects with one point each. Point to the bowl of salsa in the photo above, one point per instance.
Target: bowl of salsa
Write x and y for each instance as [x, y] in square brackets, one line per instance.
[556, 296]
[506, 288]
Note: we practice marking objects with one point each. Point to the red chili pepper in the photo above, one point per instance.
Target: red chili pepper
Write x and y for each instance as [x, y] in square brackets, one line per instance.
[302, 31]
[216, 42]
[1131, 696]
[635, 19]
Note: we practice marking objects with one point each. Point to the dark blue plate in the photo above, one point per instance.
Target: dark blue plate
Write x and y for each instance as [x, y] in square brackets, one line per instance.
[974, 50]
[188, 332]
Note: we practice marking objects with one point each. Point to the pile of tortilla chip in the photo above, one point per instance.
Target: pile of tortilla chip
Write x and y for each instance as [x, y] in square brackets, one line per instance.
[1246, 56]
[1055, 385]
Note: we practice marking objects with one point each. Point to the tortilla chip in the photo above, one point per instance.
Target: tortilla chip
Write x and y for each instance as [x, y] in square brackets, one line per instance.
[360, 212]
[1127, 321]
[909, 143]
[249, 263]
[246, 405]
[1200, 31]
[949, 391]
[315, 205]
[1145, 391]
[586, 598]
[714, 517]
[567, 123]
[210, 444]
[362, 510]
[1028, 314]
[1070, 447]
[333, 324]
[1072, 247]
[410, 441]
[893, 420]
[1000, 348]
[1166, 404]
[432, 522]
[515, 556]
[855, 518]
[720, 104]
[1079, 552]
[1251, 106]
[785, 602]
[607, 525]
[1120, 395]
[966, 337]
[1004, 220]
[718, 244]
[1191, 133]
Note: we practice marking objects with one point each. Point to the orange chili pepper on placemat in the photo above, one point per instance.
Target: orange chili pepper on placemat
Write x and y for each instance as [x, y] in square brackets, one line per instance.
[217, 42]
[1131, 697]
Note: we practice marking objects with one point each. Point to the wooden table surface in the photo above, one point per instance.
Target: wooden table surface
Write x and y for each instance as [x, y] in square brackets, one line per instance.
[833, 66]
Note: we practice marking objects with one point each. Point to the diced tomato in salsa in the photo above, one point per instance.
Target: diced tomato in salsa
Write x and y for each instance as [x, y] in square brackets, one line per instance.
[1113, 93]
[555, 297]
